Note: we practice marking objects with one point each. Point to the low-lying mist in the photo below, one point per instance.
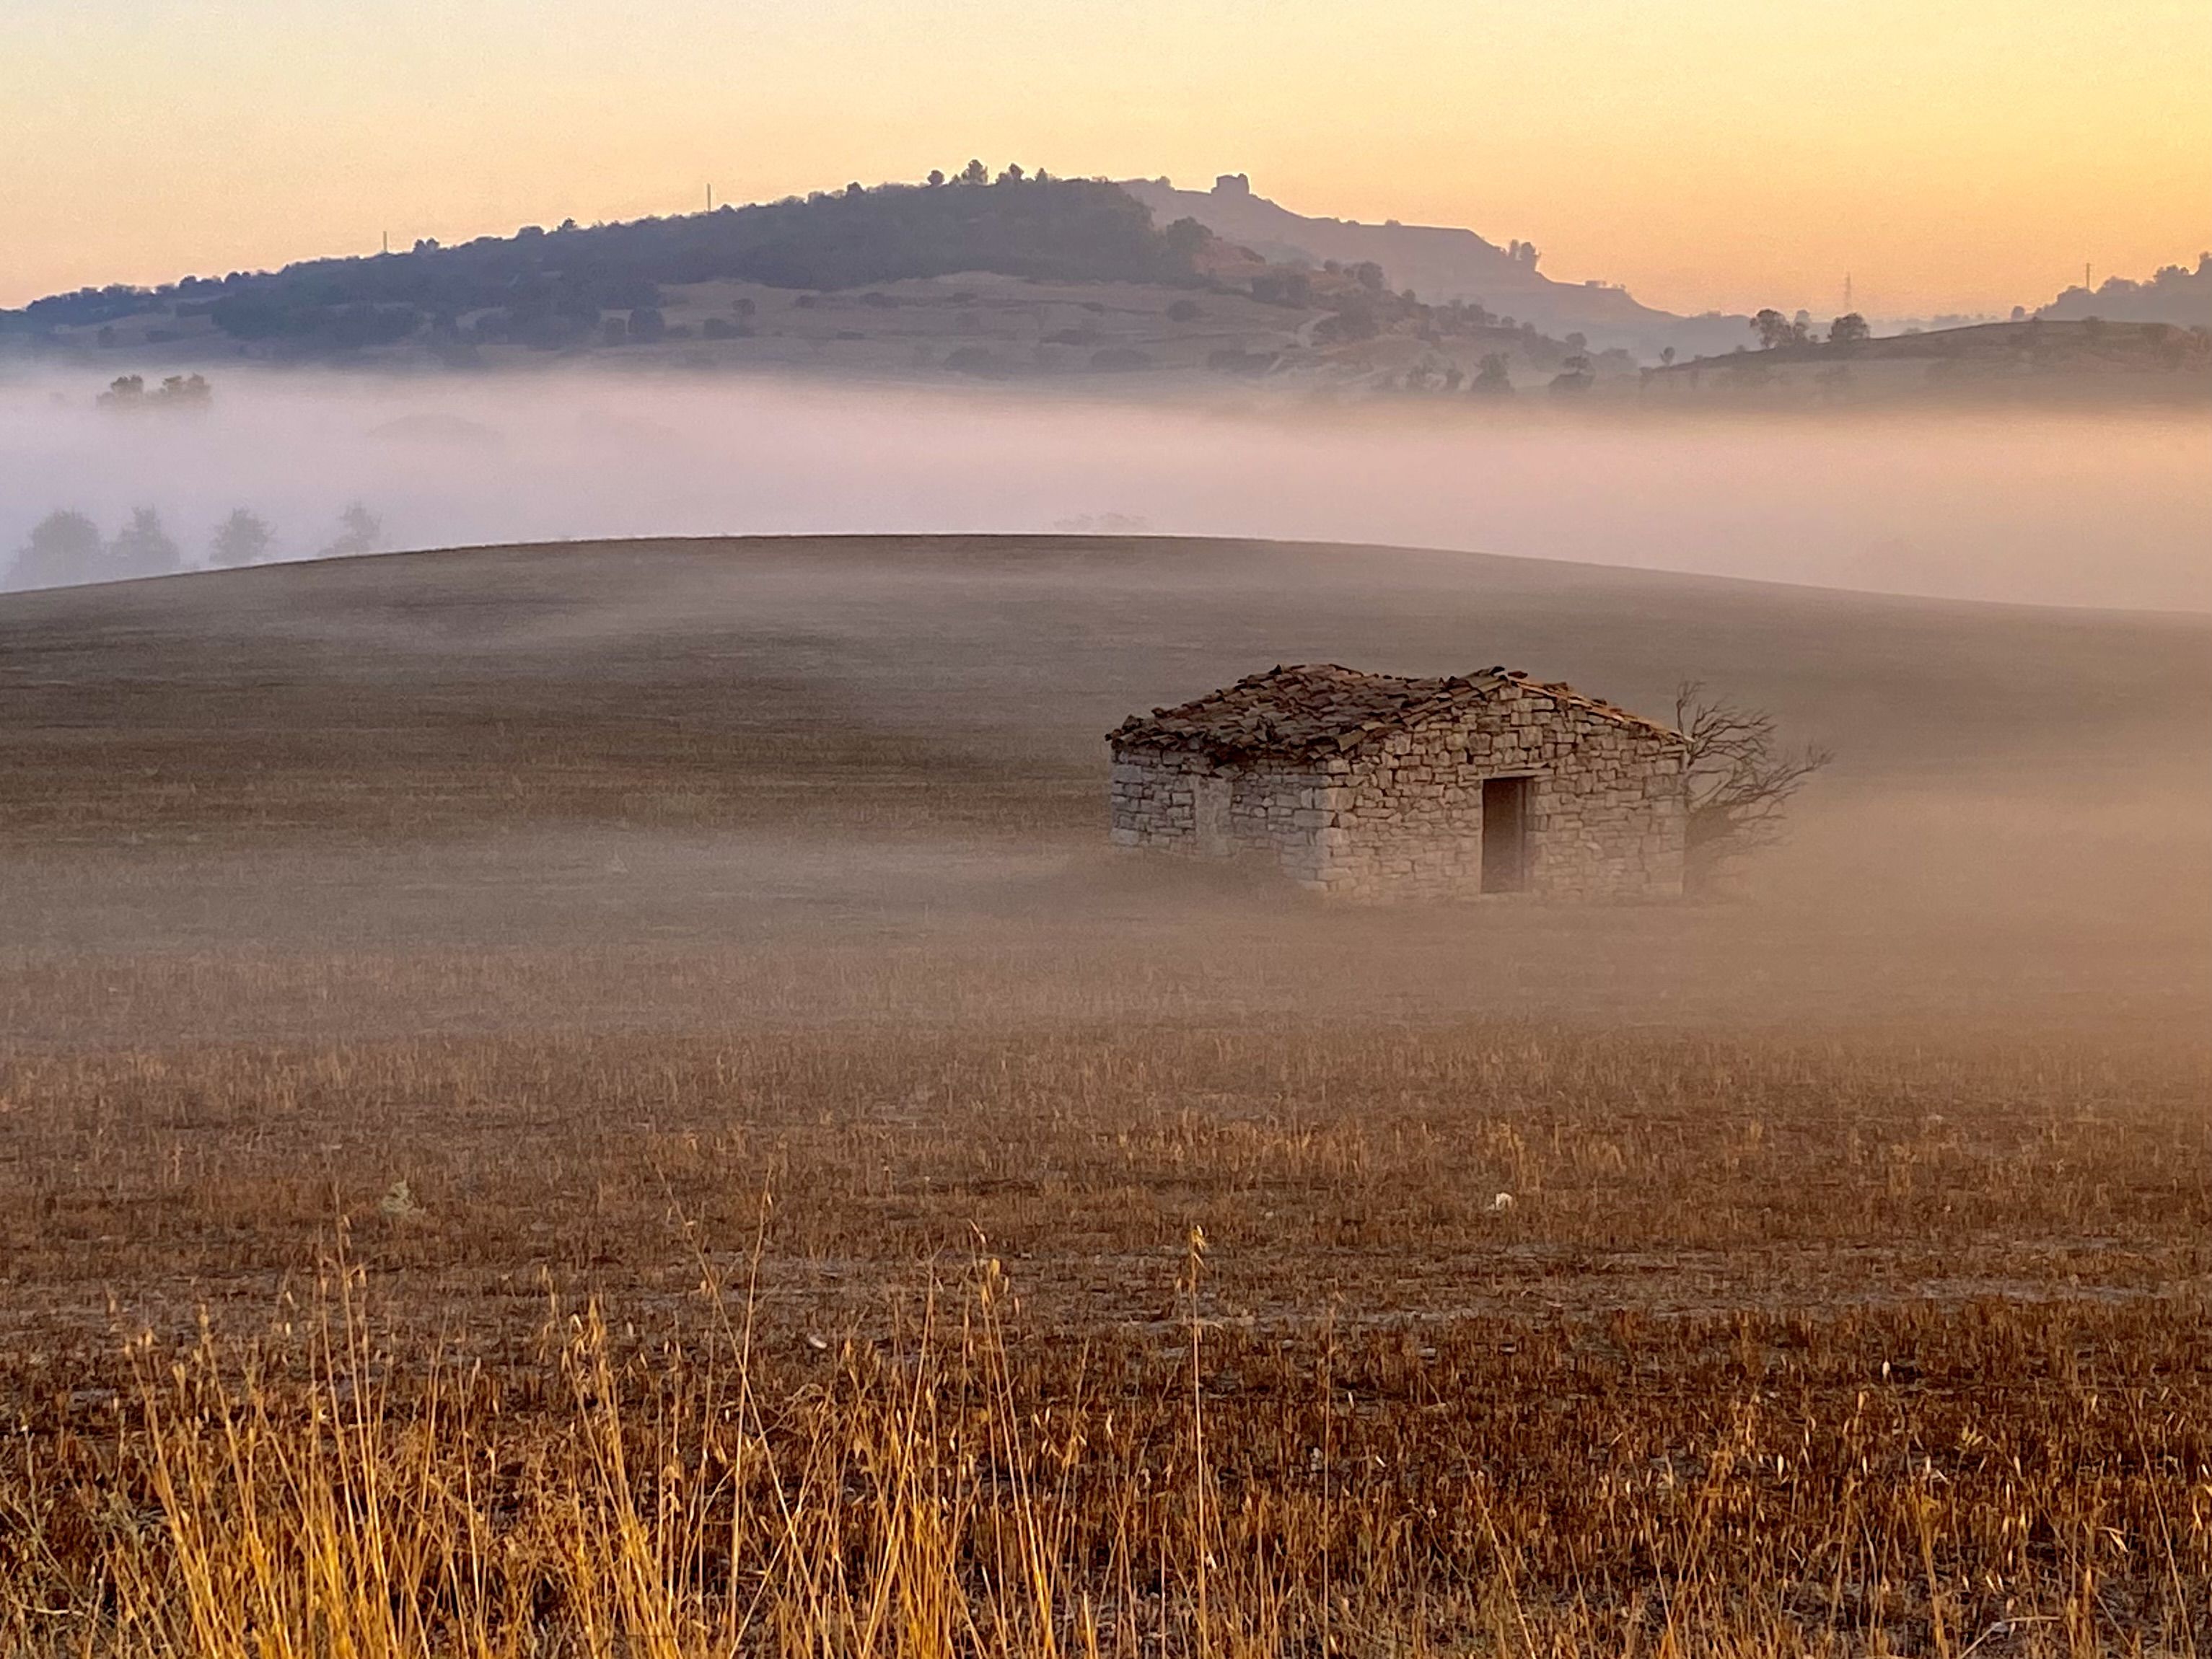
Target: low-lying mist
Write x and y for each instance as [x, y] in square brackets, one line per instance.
[713, 784]
[2076, 508]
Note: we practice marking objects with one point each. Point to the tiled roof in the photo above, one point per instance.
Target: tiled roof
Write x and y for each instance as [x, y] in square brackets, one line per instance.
[1320, 708]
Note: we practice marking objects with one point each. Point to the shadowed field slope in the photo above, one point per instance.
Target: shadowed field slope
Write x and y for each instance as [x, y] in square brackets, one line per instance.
[580, 675]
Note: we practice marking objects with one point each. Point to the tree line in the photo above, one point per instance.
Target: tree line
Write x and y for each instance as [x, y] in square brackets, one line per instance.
[66, 549]
[1775, 331]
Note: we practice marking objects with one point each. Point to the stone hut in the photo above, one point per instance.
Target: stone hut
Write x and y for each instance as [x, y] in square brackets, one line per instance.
[1373, 786]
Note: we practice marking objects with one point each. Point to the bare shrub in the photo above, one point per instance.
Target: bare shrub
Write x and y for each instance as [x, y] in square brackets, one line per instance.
[1741, 781]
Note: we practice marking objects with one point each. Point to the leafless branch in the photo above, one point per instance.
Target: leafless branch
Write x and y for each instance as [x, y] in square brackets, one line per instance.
[1740, 779]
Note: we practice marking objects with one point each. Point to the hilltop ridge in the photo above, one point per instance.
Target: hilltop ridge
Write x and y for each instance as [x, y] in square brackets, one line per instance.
[1441, 264]
[2174, 295]
[1027, 276]
[1022, 276]
[552, 289]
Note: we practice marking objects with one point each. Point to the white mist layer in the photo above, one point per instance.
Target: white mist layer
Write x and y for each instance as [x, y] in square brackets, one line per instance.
[2072, 508]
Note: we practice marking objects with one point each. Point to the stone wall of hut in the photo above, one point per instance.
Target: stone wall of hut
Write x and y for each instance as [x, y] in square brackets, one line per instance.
[1182, 802]
[1399, 815]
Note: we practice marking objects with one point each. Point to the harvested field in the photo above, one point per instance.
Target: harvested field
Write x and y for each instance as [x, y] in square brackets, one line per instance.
[612, 1100]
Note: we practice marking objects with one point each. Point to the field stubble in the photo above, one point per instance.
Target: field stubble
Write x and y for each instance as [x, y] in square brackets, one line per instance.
[852, 1340]
[604, 1102]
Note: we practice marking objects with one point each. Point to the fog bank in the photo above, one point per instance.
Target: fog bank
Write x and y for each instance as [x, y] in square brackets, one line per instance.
[2077, 508]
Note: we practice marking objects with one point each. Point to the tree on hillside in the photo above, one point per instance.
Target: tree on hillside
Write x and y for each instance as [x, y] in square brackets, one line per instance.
[1574, 374]
[242, 538]
[1354, 320]
[1740, 781]
[1491, 380]
[1283, 287]
[1775, 330]
[64, 548]
[1181, 241]
[143, 547]
[1850, 329]
[974, 173]
[359, 531]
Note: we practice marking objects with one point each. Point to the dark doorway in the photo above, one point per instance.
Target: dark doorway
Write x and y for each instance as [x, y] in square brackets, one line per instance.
[1504, 834]
[1210, 805]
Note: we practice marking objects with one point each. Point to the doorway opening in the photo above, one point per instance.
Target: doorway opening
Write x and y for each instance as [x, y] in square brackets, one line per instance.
[1210, 807]
[1504, 834]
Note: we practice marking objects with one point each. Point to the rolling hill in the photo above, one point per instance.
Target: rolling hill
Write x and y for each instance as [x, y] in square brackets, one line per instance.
[2174, 295]
[555, 288]
[1440, 264]
[2037, 359]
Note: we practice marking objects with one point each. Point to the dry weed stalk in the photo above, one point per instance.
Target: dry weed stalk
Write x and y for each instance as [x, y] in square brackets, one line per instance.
[1374, 1414]
[947, 1492]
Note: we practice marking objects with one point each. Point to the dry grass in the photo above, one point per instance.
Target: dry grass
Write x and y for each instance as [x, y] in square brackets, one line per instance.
[855, 1341]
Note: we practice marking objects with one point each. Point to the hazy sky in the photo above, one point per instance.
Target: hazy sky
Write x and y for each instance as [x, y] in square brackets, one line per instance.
[1951, 154]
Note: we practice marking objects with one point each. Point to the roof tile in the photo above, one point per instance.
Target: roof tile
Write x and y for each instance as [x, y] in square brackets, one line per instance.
[1314, 708]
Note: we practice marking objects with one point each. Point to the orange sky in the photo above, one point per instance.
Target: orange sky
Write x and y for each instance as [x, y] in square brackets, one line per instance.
[1960, 156]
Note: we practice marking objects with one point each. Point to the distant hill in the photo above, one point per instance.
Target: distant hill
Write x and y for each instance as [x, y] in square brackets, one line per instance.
[551, 288]
[1022, 276]
[1440, 264]
[2037, 358]
[1379, 308]
[2176, 295]
[554, 289]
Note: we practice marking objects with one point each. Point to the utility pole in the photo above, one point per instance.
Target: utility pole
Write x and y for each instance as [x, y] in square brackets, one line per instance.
[387, 241]
[1847, 293]
[710, 198]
